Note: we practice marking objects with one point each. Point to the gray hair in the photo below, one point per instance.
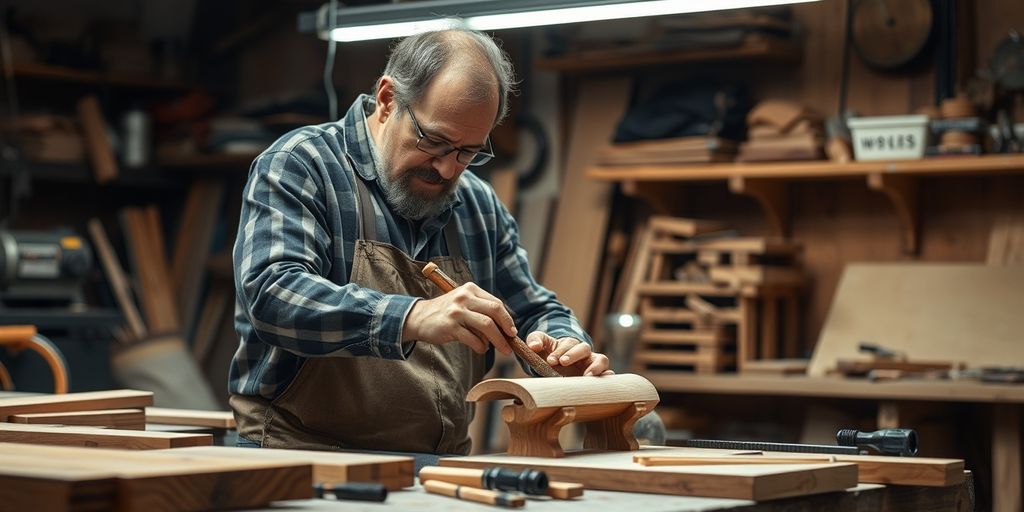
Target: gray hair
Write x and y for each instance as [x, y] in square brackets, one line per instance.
[417, 59]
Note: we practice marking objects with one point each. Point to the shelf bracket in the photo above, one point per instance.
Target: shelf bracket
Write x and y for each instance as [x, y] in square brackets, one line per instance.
[902, 191]
[664, 197]
[772, 196]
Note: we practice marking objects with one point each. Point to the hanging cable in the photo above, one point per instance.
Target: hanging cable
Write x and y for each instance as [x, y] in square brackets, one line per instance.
[332, 96]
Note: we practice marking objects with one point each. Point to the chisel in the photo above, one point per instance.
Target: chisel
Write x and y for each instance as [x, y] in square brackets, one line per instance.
[539, 365]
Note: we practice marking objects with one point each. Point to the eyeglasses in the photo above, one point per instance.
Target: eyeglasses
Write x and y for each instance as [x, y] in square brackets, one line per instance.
[437, 147]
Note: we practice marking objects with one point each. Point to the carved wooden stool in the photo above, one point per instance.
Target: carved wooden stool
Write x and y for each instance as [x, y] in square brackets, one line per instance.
[608, 406]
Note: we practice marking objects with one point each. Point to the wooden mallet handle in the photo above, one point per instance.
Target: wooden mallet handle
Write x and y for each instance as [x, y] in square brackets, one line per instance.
[539, 365]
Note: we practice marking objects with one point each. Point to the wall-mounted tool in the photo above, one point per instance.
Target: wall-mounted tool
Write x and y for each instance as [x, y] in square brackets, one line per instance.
[42, 268]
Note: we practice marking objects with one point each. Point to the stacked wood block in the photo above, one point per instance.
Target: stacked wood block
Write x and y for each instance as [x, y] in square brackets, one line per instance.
[679, 150]
[709, 303]
[780, 130]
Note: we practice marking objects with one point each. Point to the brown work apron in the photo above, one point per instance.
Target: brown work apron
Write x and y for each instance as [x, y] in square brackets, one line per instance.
[415, 405]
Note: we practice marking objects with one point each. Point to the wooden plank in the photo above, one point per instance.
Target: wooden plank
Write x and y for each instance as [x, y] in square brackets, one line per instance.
[975, 302]
[94, 129]
[665, 357]
[669, 289]
[192, 245]
[923, 471]
[118, 279]
[1006, 455]
[1006, 242]
[158, 304]
[776, 367]
[637, 271]
[702, 337]
[758, 275]
[100, 479]
[98, 437]
[89, 401]
[682, 227]
[574, 248]
[190, 417]
[218, 298]
[395, 472]
[123, 419]
[615, 471]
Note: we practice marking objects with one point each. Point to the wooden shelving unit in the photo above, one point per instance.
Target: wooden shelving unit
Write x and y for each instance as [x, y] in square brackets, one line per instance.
[83, 77]
[766, 182]
[624, 58]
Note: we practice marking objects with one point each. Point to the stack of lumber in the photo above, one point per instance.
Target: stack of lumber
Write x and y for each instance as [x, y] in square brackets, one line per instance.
[113, 419]
[779, 130]
[682, 150]
[706, 301]
[97, 460]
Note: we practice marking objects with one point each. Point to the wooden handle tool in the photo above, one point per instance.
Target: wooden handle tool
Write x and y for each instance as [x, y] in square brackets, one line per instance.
[501, 499]
[539, 365]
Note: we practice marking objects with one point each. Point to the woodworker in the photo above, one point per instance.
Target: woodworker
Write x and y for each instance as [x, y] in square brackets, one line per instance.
[344, 344]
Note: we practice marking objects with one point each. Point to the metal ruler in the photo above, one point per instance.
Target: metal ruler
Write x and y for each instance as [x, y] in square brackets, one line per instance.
[773, 447]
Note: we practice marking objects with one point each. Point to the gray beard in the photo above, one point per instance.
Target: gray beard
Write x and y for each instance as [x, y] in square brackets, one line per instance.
[406, 202]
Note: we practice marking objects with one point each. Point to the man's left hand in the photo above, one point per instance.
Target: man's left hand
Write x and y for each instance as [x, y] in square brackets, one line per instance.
[568, 356]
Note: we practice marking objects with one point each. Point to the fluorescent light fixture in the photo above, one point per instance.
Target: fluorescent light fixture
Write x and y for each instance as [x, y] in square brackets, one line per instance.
[398, 20]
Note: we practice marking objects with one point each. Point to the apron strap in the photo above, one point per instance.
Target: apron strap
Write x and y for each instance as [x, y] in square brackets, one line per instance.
[367, 219]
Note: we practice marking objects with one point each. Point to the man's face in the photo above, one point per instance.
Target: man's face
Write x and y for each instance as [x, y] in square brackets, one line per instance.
[418, 185]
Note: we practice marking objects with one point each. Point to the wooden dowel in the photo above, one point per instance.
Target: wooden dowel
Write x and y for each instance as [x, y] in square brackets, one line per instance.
[683, 460]
[501, 499]
[539, 365]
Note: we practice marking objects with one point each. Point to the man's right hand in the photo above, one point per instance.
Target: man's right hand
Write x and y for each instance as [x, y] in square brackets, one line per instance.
[467, 314]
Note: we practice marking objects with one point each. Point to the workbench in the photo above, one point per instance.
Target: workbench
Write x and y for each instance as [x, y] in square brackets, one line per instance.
[864, 497]
[1003, 400]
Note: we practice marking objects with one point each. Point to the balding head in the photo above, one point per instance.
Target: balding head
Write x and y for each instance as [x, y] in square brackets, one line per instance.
[472, 59]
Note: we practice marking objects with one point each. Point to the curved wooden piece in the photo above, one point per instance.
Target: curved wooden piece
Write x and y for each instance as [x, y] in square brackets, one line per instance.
[615, 432]
[772, 196]
[902, 192]
[534, 432]
[609, 406]
[535, 393]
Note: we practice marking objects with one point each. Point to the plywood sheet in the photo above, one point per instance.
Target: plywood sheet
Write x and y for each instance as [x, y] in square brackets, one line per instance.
[576, 240]
[98, 437]
[395, 472]
[934, 312]
[190, 417]
[61, 478]
[616, 471]
[90, 401]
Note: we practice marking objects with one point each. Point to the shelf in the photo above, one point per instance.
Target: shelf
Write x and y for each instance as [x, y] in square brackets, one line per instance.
[969, 165]
[84, 77]
[617, 59]
[72, 173]
[827, 387]
[766, 182]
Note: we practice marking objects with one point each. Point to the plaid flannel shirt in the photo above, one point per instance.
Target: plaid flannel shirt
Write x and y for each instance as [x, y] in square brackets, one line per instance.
[294, 253]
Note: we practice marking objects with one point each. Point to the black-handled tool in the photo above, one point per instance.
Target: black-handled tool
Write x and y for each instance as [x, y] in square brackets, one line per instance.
[888, 441]
[357, 491]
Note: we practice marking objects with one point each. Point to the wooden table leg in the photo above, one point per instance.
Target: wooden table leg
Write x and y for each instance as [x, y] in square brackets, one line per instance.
[1006, 475]
[769, 327]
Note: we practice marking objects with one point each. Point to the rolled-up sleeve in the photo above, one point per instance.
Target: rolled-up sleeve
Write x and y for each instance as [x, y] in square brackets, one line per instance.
[282, 255]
